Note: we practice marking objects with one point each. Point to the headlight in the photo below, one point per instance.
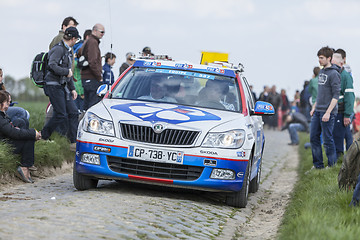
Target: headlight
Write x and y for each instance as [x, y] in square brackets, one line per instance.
[95, 124]
[230, 139]
[225, 174]
[91, 158]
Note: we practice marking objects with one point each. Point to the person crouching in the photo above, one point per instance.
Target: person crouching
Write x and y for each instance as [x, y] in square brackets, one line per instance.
[21, 139]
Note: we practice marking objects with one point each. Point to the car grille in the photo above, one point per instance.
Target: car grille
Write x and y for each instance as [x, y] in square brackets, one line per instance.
[154, 169]
[166, 137]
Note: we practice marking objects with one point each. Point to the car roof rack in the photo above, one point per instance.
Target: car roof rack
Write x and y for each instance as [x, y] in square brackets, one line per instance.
[239, 68]
[164, 57]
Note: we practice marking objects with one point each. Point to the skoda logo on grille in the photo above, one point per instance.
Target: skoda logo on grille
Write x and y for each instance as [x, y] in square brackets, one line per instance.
[158, 127]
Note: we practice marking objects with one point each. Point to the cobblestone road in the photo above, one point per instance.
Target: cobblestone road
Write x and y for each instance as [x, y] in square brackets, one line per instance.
[52, 209]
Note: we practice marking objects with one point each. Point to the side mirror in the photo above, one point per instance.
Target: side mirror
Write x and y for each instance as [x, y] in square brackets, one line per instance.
[102, 90]
[263, 108]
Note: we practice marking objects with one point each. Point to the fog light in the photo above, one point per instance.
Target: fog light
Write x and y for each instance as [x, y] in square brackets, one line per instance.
[222, 174]
[90, 158]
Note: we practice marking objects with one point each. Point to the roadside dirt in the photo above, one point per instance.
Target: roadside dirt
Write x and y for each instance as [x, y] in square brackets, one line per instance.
[8, 180]
[270, 206]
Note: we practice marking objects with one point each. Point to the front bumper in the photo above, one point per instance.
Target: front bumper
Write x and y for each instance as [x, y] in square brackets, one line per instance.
[194, 173]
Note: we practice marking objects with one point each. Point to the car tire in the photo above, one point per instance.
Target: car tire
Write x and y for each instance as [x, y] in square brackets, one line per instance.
[239, 199]
[254, 184]
[82, 182]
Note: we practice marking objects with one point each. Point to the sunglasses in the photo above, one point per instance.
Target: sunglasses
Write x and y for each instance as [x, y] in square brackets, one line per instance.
[102, 32]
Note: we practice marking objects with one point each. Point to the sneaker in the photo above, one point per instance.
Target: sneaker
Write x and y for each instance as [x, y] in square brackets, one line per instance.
[32, 168]
[293, 144]
[73, 146]
[311, 169]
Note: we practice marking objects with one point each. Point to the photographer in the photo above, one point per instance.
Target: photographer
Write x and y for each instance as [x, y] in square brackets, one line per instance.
[60, 88]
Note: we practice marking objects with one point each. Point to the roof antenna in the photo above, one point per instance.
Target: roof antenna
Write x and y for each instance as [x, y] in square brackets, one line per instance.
[111, 47]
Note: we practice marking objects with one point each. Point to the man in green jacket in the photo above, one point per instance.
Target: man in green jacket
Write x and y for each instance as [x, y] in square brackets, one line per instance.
[345, 107]
[68, 22]
[313, 85]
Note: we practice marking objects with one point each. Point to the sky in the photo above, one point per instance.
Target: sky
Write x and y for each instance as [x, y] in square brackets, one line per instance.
[276, 41]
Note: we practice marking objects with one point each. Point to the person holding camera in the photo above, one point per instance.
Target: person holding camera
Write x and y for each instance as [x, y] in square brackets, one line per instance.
[60, 89]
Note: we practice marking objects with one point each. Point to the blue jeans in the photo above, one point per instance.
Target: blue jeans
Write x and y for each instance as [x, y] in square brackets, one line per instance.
[339, 133]
[326, 128]
[356, 196]
[65, 113]
[293, 129]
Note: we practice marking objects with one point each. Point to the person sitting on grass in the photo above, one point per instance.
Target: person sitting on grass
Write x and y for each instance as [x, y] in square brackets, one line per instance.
[295, 122]
[21, 139]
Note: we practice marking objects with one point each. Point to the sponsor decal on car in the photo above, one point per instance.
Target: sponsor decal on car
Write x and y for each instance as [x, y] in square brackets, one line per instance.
[102, 149]
[240, 174]
[208, 152]
[171, 113]
[241, 154]
[183, 65]
[217, 70]
[106, 140]
[158, 64]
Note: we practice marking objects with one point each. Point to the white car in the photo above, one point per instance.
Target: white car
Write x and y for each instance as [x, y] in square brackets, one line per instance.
[178, 124]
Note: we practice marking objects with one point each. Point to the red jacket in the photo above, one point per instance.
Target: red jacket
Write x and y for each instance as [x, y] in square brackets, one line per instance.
[91, 51]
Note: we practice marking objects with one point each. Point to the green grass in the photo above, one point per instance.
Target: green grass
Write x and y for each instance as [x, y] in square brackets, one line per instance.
[318, 209]
[47, 153]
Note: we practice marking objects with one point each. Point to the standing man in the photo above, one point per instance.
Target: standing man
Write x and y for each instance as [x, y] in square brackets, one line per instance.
[345, 107]
[91, 76]
[68, 22]
[313, 85]
[324, 110]
[253, 93]
[60, 89]
[130, 60]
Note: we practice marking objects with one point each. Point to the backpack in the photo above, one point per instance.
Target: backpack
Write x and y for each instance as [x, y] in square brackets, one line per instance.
[350, 168]
[39, 69]
[82, 61]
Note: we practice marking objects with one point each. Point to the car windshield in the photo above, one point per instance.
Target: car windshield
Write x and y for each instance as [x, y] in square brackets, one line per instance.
[178, 86]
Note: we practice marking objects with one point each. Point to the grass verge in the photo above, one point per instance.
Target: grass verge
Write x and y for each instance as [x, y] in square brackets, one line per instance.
[318, 209]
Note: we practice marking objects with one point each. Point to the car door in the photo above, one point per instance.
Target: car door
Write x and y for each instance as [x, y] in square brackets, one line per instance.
[255, 123]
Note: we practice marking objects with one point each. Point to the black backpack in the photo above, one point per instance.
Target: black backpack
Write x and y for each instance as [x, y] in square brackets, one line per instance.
[39, 69]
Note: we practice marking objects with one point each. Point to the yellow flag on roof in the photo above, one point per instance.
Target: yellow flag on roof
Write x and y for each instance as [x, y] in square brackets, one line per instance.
[210, 57]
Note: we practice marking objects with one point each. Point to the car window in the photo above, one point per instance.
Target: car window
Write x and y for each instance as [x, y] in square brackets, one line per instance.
[249, 96]
[178, 86]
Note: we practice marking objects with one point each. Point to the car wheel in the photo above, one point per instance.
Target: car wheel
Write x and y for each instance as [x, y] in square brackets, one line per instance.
[82, 182]
[240, 198]
[254, 184]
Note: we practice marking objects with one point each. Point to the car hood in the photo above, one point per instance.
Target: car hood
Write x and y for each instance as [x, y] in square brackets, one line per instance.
[181, 116]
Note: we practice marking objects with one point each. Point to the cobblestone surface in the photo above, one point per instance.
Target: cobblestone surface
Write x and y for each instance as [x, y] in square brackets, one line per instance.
[52, 208]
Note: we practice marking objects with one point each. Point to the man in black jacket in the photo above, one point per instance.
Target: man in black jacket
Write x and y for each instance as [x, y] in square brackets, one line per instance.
[21, 139]
[295, 122]
[60, 89]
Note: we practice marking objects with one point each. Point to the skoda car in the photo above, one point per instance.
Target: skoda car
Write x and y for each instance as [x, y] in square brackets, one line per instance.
[175, 123]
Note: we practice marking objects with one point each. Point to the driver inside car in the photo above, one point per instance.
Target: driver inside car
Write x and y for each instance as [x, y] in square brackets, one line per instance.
[158, 91]
[213, 94]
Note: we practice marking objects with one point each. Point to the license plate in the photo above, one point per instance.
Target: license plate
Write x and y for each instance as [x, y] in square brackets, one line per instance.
[155, 155]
